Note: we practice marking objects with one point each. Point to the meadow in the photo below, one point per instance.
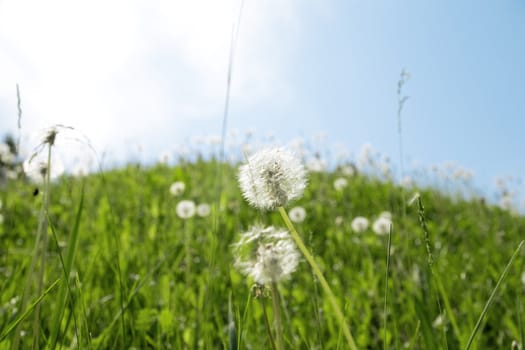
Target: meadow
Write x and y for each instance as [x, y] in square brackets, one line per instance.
[118, 268]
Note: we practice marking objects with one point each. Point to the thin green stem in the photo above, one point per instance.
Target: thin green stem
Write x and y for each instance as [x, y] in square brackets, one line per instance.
[319, 275]
[491, 297]
[10, 328]
[386, 286]
[267, 324]
[277, 317]
[43, 255]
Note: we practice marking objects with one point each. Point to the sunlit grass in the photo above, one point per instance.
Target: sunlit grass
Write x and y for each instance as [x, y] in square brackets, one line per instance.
[128, 284]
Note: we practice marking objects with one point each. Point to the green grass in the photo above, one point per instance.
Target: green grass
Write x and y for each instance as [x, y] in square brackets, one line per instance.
[120, 256]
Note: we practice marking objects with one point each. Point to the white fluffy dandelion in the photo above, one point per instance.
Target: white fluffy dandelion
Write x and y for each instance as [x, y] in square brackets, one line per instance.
[203, 210]
[36, 167]
[382, 225]
[297, 214]
[316, 165]
[272, 178]
[268, 255]
[359, 224]
[340, 183]
[177, 188]
[185, 209]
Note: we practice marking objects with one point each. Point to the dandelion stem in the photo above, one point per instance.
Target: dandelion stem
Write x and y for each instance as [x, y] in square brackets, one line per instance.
[267, 324]
[319, 275]
[47, 190]
[277, 317]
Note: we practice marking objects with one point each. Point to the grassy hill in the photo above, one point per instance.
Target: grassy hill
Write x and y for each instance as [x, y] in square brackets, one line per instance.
[141, 277]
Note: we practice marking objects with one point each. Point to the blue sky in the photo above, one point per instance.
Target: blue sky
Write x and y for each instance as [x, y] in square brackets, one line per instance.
[155, 73]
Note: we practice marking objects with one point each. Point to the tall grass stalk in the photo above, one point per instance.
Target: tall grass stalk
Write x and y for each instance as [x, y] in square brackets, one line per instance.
[435, 276]
[385, 311]
[39, 250]
[520, 323]
[65, 290]
[401, 99]
[319, 275]
[43, 253]
[19, 123]
[492, 295]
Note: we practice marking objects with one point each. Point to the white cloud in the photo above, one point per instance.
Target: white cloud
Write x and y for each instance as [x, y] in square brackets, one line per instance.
[119, 70]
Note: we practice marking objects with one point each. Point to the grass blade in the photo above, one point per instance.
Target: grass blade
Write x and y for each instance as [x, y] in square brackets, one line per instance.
[67, 265]
[319, 275]
[491, 297]
[386, 285]
[28, 311]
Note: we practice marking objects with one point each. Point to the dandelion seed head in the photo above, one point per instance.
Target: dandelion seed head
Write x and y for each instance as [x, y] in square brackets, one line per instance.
[359, 224]
[271, 178]
[407, 182]
[267, 255]
[381, 225]
[185, 209]
[6, 155]
[316, 165]
[203, 210]
[36, 167]
[340, 183]
[297, 214]
[348, 170]
[177, 188]
[51, 135]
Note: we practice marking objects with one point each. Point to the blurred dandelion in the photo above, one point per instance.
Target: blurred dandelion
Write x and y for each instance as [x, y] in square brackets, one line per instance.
[386, 214]
[297, 214]
[268, 255]
[407, 182]
[203, 210]
[36, 168]
[271, 178]
[382, 224]
[359, 224]
[316, 165]
[185, 209]
[340, 183]
[348, 170]
[177, 188]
